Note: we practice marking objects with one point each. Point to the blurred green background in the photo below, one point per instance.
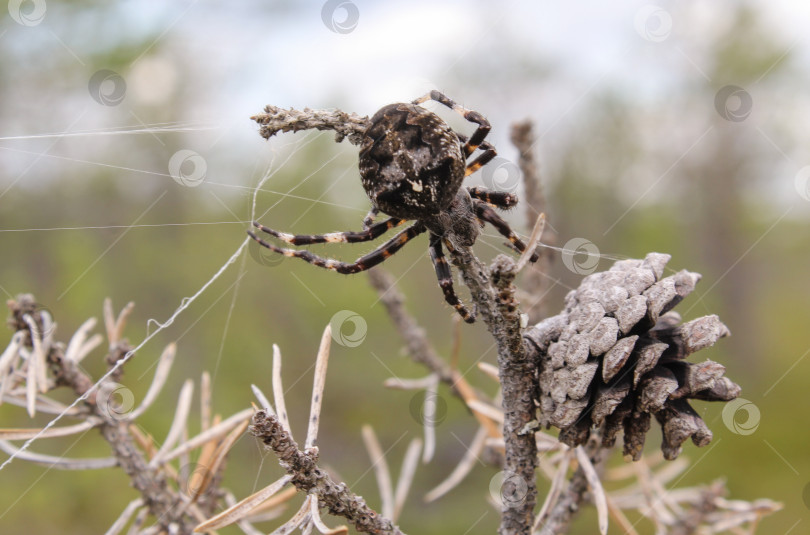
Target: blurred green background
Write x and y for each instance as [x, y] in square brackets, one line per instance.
[642, 149]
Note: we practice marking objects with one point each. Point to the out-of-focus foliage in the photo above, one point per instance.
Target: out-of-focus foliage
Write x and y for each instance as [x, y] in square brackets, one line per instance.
[630, 163]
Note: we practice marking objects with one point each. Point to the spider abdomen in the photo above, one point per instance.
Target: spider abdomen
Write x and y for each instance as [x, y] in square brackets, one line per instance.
[411, 162]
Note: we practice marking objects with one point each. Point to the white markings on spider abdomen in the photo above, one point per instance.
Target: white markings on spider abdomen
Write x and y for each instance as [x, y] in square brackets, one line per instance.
[416, 185]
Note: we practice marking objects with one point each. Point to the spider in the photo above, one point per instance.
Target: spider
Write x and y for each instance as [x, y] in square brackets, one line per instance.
[412, 166]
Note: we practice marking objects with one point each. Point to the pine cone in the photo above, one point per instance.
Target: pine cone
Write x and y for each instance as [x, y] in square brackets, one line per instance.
[616, 356]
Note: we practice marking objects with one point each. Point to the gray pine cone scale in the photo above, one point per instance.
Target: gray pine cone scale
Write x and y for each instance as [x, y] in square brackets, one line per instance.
[616, 356]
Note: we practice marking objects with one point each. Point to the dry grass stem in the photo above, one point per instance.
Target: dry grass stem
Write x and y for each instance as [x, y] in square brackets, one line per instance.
[398, 383]
[79, 345]
[53, 432]
[60, 462]
[205, 401]
[178, 423]
[319, 381]
[462, 469]
[243, 508]
[381, 471]
[262, 398]
[406, 475]
[318, 522]
[557, 485]
[597, 492]
[162, 370]
[126, 515]
[429, 418]
[278, 390]
[487, 410]
[213, 433]
[534, 240]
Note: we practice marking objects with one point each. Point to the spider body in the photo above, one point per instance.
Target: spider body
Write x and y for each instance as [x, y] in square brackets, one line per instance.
[412, 166]
[411, 162]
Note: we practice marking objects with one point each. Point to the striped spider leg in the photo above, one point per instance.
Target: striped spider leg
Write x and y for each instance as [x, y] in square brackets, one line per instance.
[363, 263]
[445, 277]
[372, 259]
[476, 140]
[483, 200]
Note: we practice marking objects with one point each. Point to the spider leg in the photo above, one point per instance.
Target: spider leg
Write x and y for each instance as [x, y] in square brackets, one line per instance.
[486, 213]
[482, 159]
[370, 217]
[499, 199]
[368, 234]
[361, 264]
[445, 278]
[473, 116]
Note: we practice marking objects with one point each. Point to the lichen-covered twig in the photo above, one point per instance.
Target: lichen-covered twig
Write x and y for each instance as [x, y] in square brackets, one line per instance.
[493, 294]
[302, 467]
[345, 125]
[308, 477]
[537, 281]
[522, 137]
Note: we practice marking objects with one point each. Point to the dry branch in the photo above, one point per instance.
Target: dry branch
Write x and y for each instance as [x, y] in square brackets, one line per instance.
[493, 293]
[537, 281]
[309, 478]
[345, 125]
